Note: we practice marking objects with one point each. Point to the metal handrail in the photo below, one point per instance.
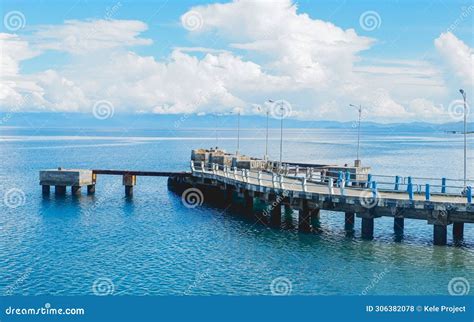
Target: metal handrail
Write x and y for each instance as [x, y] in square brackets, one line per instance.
[342, 181]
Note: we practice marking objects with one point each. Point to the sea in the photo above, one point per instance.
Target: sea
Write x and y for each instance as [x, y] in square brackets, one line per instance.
[153, 244]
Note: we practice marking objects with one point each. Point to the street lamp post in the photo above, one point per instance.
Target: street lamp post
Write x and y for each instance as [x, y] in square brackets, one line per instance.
[359, 109]
[267, 111]
[238, 132]
[281, 131]
[463, 93]
[266, 138]
[217, 134]
[281, 139]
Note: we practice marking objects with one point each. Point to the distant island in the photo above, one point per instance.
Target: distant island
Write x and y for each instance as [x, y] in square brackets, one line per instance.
[194, 121]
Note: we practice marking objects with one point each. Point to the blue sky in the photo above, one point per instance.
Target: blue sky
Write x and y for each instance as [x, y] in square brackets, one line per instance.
[405, 68]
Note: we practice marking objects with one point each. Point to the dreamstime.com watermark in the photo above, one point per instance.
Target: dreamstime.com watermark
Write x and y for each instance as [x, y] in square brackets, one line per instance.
[281, 286]
[192, 198]
[47, 309]
[12, 287]
[374, 281]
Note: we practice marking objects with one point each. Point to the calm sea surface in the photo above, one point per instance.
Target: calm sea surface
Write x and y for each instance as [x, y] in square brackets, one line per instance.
[154, 245]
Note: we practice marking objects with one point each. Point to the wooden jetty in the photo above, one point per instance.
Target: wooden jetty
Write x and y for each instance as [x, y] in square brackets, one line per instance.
[309, 188]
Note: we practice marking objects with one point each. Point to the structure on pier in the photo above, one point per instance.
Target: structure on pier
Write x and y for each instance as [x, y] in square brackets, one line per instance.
[63, 178]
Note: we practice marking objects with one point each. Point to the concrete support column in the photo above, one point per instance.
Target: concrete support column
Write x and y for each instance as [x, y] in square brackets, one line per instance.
[398, 225]
[349, 220]
[304, 217]
[76, 190]
[129, 181]
[248, 202]
[91, 189]
[458, 232]
[288, 216]
[275, 212]
[129, 191]
[60, 190]
[315, 219]
[367, 228]
[45, 189]
[440, 233]
[229, 196]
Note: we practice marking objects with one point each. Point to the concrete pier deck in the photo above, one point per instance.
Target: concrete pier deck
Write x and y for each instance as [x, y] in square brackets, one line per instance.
[309, 196]
[62, 178]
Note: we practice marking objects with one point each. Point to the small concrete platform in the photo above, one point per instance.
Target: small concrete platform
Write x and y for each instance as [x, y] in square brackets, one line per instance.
[62, 178]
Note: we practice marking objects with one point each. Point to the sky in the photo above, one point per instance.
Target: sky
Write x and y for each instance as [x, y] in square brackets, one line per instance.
[401, 60]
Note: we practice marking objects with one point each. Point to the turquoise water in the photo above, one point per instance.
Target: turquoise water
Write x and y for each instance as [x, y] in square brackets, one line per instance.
[153, 245]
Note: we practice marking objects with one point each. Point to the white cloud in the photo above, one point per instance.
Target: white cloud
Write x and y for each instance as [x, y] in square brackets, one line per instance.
[81, 37]
[312, 52]
[183, 84]
[13, 86]
[458, 57]
[283, 54]
[323, 62]
[59, 93]
[427, 110]
[13, 51]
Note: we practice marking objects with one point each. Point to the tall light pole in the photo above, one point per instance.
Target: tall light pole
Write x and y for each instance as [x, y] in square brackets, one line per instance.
[238, 132]
[463, 93]
[359, 109]
[281, 138]
[281, 133]
[266, 137]
[281, 129]
[217, 134]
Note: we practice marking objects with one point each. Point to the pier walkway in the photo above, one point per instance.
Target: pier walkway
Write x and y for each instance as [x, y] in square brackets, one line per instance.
[309, 191]
[307, 188]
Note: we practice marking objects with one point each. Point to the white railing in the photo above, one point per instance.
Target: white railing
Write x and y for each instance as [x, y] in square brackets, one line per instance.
[337, 179]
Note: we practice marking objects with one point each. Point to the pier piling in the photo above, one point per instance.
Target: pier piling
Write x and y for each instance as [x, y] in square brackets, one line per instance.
[349, 219]
[367, 228]
[129, 191]
[288, 216]
[440, 233]
[60, 190]
[248, 203]
[228, 196]
[398, 225]
[91, 189]
[46, 189]
[315, 219]
[304, 217]
[75, 190]
[129, 181]
[458, 232]
[275, 212]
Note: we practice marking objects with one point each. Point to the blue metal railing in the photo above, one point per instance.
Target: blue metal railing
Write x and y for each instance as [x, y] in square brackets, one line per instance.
[387, 183]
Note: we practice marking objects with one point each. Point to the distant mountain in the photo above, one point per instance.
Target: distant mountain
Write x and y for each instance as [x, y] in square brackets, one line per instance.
[193, 121]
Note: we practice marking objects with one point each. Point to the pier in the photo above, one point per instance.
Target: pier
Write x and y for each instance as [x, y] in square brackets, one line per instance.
[60, 179]
[226, 179]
